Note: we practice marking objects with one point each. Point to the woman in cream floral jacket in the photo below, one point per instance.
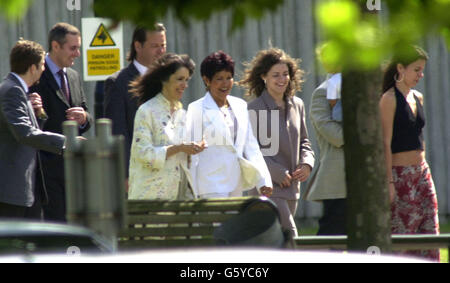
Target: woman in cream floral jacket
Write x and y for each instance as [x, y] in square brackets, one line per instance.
[158, 161]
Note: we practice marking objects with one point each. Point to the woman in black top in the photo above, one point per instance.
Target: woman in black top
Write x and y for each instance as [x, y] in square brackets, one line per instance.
[411, 188]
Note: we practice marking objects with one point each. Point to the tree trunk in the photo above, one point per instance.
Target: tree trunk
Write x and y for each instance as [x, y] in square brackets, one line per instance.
[368, 208]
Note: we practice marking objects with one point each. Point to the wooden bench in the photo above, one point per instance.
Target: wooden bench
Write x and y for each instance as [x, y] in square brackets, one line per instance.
[163, 224]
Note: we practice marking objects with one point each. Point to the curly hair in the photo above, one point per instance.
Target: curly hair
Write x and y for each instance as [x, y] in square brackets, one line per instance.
[216, 62]
[149, 85]
[261, 65]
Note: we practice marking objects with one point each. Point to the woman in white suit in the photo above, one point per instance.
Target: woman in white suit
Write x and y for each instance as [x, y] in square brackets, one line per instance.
[232, 162]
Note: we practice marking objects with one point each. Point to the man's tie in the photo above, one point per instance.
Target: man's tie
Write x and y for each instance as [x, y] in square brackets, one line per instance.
[64, 87]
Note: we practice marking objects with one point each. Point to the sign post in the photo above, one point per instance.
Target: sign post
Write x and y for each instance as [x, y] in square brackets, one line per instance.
[102, 48]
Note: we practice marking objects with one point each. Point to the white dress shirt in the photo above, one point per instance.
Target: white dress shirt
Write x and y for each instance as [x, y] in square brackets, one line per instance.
[334, 86]
[141, 68]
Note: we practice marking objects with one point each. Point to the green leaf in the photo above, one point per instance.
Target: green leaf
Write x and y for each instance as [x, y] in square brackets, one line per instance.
[331, 56]
[446, 34]
[335, 16]
[14, 9]
[145, 12]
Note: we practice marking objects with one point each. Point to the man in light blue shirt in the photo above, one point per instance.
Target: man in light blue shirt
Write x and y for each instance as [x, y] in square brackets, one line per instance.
[61, 89]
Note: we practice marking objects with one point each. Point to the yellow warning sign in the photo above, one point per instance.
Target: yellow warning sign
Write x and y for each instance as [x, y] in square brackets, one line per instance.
[103, 62]
[102, 38]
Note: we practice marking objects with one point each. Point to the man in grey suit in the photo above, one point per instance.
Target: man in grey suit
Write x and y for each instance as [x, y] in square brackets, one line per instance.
[328, 183]
[20, 136]
[119, 104]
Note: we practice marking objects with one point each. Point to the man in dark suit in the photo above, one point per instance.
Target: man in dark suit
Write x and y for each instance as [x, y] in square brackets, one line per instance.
[20, 136]
[119, 104]
[63, 99]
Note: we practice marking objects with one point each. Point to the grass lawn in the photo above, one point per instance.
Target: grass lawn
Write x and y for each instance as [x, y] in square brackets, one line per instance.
[445, 229]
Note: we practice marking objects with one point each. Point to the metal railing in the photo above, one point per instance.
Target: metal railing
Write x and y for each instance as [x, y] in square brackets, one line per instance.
[399, 242]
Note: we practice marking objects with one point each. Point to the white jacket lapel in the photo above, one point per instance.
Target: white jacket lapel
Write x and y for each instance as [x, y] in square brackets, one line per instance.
[215, 129]
[241, 115]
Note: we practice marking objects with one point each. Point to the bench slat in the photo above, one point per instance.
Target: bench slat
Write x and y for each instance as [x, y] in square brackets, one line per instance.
[167, 231]
[321, 242]
[204, 201]
[174, 219]
[143, 244]
[136, 207]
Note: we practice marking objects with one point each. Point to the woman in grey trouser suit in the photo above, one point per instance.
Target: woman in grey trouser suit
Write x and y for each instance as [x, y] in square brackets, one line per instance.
[274, 77]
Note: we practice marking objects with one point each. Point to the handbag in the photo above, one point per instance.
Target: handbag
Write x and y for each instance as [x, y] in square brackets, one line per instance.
[250, 174]
[185, 191]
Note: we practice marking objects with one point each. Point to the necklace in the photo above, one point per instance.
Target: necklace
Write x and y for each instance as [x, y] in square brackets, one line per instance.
[281, 105]
[224, 110]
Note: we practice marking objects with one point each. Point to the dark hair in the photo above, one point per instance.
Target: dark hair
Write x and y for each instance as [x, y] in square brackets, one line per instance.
[58, 33]
[405, 56]
[261, 65]
[24, 54]
[149, 85]
[216, 62]
[140, 35]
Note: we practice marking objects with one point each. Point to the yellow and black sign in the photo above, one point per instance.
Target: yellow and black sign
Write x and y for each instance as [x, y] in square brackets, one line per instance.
[102, 38]
[102, 48]
[103, 61]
